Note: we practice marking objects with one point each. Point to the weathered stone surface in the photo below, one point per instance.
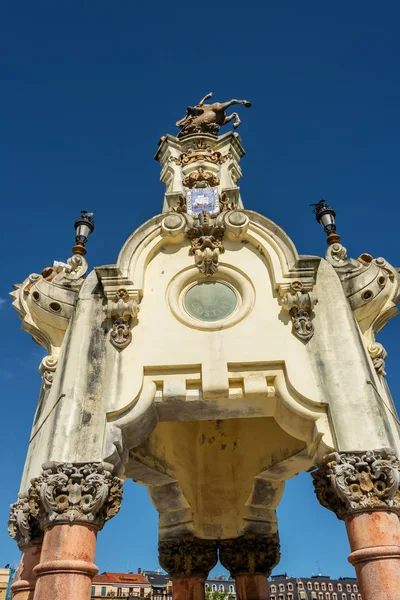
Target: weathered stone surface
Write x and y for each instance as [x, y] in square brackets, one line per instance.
[250, 554]
[187, 556]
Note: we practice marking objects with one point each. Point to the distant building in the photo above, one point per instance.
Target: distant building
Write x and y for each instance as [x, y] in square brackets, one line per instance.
[161, 585]
[121, 585]
[4, 577]
[316, 587]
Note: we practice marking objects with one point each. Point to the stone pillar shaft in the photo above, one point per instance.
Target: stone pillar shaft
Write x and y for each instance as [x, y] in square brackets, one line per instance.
[363, 489]
[375, 553]
[251, 587]
[66, 565]
[188, 588]
[24, 587]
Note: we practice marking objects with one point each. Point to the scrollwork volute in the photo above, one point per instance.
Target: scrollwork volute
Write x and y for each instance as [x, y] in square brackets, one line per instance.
[359, 481]
[23, 525]
[250, 554]
[187, 556]
[122, 308]
[77, 493]
[299, 304]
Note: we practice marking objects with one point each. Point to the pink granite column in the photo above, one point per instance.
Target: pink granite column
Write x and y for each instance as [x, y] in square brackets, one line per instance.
[250, 559]
[375, 553]
[362, 488]
[74, 501]
[24, 586]
[66, 566]
[188, 561]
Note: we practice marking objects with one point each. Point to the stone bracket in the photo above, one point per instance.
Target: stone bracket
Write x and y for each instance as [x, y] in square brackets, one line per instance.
[299, 304]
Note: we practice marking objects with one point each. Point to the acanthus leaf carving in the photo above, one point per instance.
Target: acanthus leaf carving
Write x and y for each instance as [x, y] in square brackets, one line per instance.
[359, 481]
[23, 525]
[187, 556]
[206, 235]
[378, 355]
[250, 554]
[79, 492]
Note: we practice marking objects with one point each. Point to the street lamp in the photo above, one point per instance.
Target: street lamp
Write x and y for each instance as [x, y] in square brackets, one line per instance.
[84, 226]
[325, 216]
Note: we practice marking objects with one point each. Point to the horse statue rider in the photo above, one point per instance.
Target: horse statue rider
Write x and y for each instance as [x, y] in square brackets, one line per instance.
[208, 118]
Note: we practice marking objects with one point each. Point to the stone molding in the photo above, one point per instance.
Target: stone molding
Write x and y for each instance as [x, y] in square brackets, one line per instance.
[23, 524]
[85, 493]
[250, 554]
[187, 556]
[356, 482]
[299, 304]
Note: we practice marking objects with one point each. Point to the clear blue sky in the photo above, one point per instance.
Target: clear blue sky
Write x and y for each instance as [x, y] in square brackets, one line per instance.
[87, 89]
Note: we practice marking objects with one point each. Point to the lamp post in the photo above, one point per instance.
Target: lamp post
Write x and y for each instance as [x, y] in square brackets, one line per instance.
[84, 226]
[325, 216]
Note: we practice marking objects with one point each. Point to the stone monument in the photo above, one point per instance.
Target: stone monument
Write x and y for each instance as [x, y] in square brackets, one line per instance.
[211, 364]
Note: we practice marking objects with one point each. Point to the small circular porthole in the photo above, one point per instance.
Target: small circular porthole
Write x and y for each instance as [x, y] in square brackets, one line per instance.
[210, 301]
[55, 307]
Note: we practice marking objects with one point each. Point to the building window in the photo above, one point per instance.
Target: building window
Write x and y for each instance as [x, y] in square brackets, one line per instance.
[142, 592]
[339, 587]
[273, 588]
[334, 596]
[320, 596]
[327, 596]
[231, 589]
[290, 596]
[348, 587]
[316, 585]
[344, 597]
[119, 592]
[301, 586]
[355, 588]
[214, 587]
[93, 590]
[353, 597]
[281, 597]
[323, 586]
[103, 591]
[273, 597]
[309, 585]
[207, 586]
[330, 586]
[290, 586]
[281, 587]
[221, 588]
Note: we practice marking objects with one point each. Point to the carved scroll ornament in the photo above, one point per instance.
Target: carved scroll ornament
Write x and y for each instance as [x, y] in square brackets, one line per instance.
[250, 554]
[122, 309]
[359, 481]
[299, 304]
[80, 492]
[187, 556]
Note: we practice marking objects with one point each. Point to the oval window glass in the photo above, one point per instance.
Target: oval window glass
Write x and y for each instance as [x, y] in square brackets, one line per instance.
[210, 301]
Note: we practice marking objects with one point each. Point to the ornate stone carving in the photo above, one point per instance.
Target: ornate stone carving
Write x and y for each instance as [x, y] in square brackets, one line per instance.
[250, 554]
[359, 481]
[46, 303]
[208, 118]
[205, 237]
[299, 304]
[23, 525]
[201, 178]
[80, 492]
[200, 151]
[122, 309]
[378, 355]
[187, 556]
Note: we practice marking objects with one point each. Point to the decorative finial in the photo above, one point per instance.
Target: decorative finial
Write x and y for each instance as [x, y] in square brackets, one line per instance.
[84, 226]
[325, 216]
[208, 118]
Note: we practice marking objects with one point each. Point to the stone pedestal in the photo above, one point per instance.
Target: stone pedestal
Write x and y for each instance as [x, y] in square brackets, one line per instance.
[362, 488]
[375, 553]
[250, 560]
[188, 561]
[24, 587]
[66, 566]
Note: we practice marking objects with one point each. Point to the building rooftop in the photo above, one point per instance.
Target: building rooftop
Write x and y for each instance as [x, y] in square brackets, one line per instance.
[122, 578]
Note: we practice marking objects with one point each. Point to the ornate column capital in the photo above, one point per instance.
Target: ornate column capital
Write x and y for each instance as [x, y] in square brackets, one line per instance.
[354, 482]
[187, 556]
[84, 493]
[250, 554]
[23, 525]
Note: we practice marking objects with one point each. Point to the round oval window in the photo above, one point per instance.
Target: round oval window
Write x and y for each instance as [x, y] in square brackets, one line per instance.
[210, 301]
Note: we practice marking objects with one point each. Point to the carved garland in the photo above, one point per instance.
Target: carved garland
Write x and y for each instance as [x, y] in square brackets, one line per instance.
[359, 481]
